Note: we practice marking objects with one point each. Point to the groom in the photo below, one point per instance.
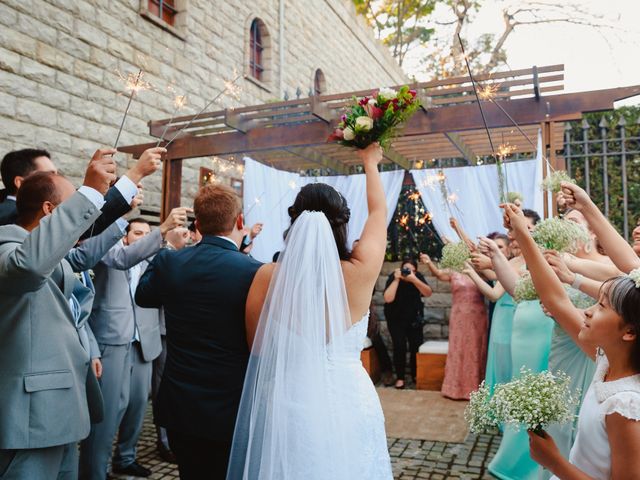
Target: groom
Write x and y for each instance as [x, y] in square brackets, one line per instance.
[203, 290]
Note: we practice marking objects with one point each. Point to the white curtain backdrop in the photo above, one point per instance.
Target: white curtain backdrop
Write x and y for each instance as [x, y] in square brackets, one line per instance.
[476, 189]
[268, 193]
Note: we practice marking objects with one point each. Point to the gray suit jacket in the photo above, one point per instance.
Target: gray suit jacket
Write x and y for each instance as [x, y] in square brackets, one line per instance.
[81, 259]
[43, 366]
[115, 315]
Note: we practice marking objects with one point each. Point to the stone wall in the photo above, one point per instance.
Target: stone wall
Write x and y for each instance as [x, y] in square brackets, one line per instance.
[436, 308]
[59, 64]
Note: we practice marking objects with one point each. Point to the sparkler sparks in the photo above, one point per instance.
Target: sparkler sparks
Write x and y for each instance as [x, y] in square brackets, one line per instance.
[505, 149]
[133, 84]
[488, 92]
[230, 87]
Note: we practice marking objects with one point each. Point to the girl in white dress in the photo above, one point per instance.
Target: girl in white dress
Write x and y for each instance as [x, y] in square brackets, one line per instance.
[608, 427]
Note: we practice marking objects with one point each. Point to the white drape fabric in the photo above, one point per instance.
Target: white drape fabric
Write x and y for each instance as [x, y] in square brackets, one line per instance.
[268, 193]
[288, 426]
[477, 194]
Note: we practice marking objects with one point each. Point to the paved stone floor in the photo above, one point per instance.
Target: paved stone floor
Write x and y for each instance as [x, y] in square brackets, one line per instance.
[411, 459]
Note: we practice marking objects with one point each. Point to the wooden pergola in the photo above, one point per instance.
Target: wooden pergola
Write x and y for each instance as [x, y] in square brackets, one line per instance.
[292, 135]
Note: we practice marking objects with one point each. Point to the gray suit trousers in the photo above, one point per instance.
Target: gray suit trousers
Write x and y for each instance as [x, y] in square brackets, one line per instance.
[131, 424]
[59, 463]
[95, 451]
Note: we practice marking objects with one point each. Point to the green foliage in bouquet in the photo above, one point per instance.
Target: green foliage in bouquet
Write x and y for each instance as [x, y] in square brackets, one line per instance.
[560, 235]
[553, 182]
[454, 255]
[376, 118]
[524, 289]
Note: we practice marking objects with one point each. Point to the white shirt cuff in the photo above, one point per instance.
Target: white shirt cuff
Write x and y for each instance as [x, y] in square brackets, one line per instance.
[122, 224]
[93, 196]
[127, 188]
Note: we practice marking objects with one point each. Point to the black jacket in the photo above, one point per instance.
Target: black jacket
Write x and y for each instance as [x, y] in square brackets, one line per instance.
[203, 290]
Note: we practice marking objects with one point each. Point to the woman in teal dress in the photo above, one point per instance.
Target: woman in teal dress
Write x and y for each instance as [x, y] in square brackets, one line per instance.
[530, 346]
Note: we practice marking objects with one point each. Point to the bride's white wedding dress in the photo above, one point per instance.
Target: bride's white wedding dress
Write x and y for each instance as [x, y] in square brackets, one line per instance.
[309, 410]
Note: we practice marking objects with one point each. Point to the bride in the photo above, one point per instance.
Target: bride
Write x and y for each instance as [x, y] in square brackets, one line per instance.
[308, 409]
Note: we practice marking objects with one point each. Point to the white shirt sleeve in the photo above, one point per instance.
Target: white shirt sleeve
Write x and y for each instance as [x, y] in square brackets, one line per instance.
[93, 196]
[127, 188]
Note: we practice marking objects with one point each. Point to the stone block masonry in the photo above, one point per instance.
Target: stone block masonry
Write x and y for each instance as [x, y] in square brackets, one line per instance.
[59, 64]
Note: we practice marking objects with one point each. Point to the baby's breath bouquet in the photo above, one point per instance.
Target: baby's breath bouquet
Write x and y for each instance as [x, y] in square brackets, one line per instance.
[553, 181]
[525, 289]
[579, 299]
[479, 413]
[560, 235]
[513, 196]
[535, 400]
[454, 255]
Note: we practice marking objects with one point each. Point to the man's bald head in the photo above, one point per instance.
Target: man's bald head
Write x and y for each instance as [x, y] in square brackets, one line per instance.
[39, 194]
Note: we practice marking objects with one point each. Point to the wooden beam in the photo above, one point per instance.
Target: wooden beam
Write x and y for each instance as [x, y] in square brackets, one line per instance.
[526, 111]
[457, 141]
[318, 158]
[171, 186]
[397, 158]
[320, 110]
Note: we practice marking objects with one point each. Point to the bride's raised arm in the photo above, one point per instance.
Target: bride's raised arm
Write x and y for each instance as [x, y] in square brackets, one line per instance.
[368, 255]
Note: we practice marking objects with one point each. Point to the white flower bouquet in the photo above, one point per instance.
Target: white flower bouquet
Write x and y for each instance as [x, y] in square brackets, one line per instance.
[560, 235]
[525, 289]
[532, 401]
[579, 299]
[454, 256]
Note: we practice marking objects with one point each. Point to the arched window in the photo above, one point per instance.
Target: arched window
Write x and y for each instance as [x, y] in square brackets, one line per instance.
[257, 38]
[319, 83]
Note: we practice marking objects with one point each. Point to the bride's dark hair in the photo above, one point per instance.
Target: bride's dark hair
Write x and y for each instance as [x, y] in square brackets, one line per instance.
[320, 197]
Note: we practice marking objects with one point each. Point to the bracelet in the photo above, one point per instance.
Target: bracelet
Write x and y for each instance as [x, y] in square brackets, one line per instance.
[577, 281]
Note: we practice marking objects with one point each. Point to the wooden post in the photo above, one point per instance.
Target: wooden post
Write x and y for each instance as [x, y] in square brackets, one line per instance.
[554, 162]
[545, 172]
[171, 185]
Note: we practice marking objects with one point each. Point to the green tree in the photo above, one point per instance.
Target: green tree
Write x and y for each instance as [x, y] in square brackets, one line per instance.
[399, 24]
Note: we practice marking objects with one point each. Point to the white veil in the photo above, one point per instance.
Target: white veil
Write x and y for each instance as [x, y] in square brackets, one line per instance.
[288, 427]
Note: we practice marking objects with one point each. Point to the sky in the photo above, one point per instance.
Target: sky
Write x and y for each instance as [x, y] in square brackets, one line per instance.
[593, 59]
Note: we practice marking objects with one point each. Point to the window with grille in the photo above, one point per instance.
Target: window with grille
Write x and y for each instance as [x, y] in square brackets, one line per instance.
[163, 9]
[256, 50]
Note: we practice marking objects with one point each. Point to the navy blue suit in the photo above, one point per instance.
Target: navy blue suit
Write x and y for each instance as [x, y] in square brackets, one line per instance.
[203, 290]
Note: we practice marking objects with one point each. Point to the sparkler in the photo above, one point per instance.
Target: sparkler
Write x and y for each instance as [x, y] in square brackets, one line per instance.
[293, 186]
[178, 104]
[133, 83]
[257, 201]
[229, 87]
[501, 184]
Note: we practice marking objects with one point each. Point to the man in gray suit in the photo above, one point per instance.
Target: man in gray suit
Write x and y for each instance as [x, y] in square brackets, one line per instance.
[43, 366]
[129, 340]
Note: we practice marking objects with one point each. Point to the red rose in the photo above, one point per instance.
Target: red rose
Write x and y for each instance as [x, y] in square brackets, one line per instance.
[373, 111]
[336, 135]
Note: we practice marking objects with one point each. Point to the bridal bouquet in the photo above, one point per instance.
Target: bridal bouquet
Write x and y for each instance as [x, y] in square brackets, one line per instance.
[560, 235]
[454, 256]
[375, 118]
[533, 401]
[525, 289]
[553, 181]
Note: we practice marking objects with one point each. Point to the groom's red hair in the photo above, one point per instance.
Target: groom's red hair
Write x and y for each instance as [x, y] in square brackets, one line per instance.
[216, 208]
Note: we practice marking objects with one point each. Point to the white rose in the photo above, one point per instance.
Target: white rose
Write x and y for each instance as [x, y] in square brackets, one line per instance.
[348, 134]
[364, 123]
[387, 93]
[372, 101]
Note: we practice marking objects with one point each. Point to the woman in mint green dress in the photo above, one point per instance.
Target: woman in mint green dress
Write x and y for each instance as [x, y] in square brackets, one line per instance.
[530, 346]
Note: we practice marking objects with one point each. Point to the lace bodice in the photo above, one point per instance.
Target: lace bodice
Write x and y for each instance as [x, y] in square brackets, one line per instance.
[591, 452]
[347, 348]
